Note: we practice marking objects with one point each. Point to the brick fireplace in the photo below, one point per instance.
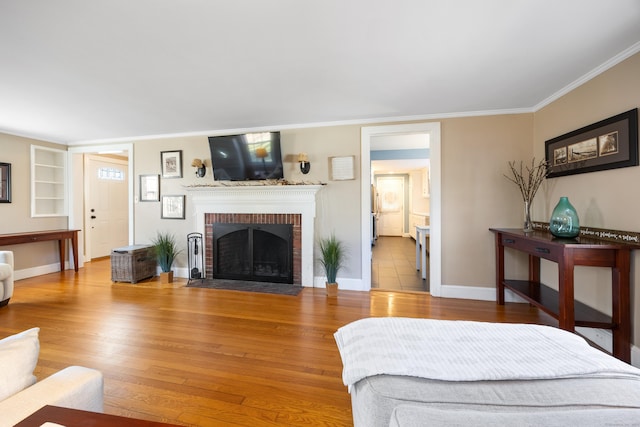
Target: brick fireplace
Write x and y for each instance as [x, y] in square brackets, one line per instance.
[295, 220]
[260, 204]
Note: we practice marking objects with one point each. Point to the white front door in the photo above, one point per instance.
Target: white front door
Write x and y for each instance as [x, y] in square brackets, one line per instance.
[391, 205]
[106, 211]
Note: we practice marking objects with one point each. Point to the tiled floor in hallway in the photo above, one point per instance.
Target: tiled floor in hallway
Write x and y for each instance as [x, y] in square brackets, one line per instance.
[393, 265]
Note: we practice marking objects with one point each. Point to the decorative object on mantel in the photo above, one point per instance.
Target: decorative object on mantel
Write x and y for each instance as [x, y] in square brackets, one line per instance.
[166, 250]
[564, 220]
[528, 185]
[201, 167]
[263, 183]
[332, 257]
[305, 166]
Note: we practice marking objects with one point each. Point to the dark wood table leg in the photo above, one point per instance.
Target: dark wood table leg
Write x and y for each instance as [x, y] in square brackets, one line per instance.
[499, 269]
[62, 250]
[74, 249]
[566, 311]
[621, 311]
[534, 277]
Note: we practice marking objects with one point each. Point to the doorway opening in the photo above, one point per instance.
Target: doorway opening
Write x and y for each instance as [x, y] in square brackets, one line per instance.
[78, 198]
[432, 129]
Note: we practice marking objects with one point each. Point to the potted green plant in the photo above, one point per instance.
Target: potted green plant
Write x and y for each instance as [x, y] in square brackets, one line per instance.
[166, 250]
[332, 257]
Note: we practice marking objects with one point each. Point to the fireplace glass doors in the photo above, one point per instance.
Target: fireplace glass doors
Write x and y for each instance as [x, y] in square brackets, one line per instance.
[256, 252]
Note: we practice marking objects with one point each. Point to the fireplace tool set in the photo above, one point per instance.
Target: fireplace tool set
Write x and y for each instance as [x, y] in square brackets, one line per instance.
[195, 256]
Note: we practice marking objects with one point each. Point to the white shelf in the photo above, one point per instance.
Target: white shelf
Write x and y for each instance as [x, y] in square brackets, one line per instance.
[48, 182]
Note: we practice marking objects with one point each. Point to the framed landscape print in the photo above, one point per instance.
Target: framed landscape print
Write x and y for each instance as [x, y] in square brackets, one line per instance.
[609, 144]
[171, 163]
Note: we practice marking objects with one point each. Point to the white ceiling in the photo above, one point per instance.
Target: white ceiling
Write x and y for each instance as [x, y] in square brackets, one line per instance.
[77, 71]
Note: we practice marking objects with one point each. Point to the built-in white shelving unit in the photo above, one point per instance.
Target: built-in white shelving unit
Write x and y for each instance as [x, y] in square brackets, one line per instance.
[48, 181]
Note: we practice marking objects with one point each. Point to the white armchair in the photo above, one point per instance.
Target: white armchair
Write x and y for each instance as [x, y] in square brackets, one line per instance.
[6, 277]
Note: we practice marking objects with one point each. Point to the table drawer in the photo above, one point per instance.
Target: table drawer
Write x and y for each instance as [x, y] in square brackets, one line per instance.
[540, 249]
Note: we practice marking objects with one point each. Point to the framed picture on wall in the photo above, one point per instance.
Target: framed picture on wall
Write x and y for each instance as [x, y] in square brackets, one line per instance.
[342, 168]
[173, 207]
[608, 144]
[150, 188]
[171, 163]
[5, 182]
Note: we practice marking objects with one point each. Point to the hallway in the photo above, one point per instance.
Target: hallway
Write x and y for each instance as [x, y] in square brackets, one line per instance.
[393, 265]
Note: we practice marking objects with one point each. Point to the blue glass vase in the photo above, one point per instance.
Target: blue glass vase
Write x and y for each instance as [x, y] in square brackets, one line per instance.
[564, 220]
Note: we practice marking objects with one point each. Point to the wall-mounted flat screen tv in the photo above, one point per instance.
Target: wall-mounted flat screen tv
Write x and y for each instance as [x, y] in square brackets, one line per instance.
[245, 157]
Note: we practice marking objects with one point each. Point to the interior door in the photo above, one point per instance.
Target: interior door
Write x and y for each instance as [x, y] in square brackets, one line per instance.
[106, 216]
[391, 206]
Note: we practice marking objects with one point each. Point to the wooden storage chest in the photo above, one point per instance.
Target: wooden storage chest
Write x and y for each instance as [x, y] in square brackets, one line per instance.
[133, 263]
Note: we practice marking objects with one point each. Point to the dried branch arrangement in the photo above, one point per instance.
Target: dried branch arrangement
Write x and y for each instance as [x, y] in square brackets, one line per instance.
[528, 178]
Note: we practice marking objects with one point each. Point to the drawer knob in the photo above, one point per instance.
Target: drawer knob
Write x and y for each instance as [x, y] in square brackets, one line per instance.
[543, 250]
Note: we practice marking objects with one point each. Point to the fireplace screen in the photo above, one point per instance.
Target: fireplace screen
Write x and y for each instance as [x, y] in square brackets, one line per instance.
[257, 252]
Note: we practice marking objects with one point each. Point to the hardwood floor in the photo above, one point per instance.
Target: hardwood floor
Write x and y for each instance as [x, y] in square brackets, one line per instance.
[207, 357]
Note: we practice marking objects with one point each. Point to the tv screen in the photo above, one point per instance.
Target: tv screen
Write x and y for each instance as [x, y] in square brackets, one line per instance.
[249, 156]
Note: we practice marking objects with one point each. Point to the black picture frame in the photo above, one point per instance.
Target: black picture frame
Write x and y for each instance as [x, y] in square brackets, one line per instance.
[171, 164]
[5, 182]
[173, 207]
[150, 188]
[608, 144]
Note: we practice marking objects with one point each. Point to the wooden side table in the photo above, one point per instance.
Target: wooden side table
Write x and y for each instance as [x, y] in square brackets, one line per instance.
[40, 236]
[75, 417]
[561, 304]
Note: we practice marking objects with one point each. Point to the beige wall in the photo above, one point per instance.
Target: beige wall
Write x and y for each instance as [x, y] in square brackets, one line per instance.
[16, 216]
[475, 193]
[606, 199]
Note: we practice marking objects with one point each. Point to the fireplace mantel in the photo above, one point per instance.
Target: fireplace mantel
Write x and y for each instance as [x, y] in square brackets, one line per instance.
[278, 199]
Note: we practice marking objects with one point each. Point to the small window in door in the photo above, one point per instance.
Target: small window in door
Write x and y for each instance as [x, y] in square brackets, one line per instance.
[113, 174]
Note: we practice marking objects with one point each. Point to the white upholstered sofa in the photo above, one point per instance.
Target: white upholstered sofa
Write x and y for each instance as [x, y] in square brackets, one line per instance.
[415, 372]
[20, 395]
[6, 277]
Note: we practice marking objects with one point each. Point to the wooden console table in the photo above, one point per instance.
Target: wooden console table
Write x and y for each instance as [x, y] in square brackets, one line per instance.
[40, 236]
[561, 304]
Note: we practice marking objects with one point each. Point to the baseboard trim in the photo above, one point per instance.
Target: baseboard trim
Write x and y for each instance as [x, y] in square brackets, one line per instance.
[38, 271]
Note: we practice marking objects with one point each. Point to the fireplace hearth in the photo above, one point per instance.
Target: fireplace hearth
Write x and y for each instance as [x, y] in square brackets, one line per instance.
[256, 252]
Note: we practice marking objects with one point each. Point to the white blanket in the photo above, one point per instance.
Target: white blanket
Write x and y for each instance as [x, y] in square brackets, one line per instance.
[468, 351]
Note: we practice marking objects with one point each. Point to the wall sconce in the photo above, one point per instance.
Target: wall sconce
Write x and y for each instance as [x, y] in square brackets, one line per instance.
[201, 169]
[305, 166]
